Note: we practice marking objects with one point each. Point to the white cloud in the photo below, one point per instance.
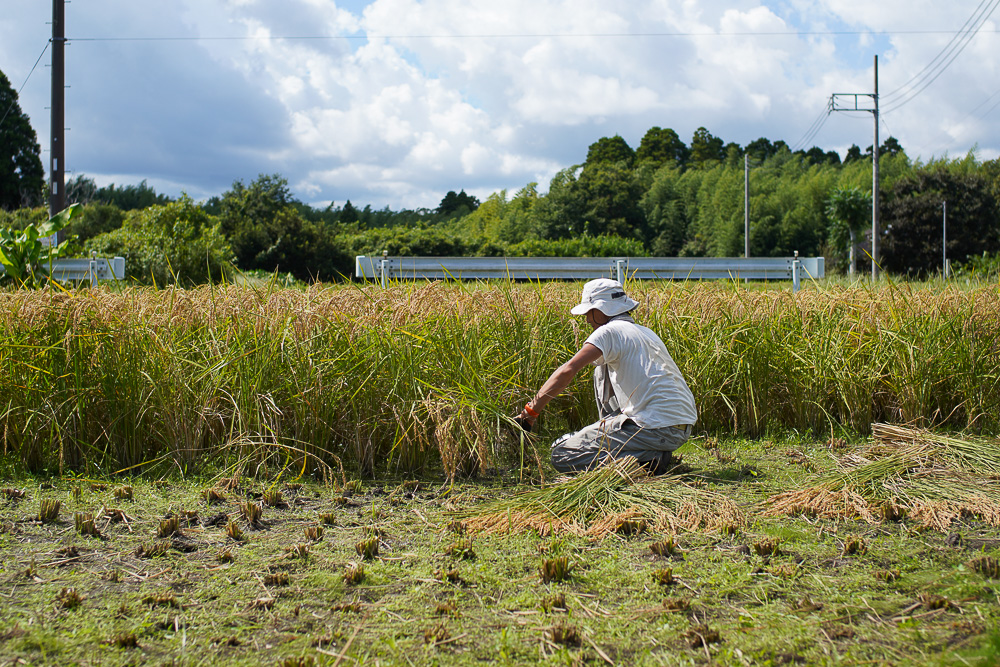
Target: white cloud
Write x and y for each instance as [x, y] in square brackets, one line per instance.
[475, 95]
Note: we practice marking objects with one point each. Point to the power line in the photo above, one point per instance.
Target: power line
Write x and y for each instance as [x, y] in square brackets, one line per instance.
[954, 37]
[984, 103]
[813, 130]
[817, 125]
[13, 101]
[990, 110]
[954, 52]
[888, 131]
[979, 116]
[787, 33]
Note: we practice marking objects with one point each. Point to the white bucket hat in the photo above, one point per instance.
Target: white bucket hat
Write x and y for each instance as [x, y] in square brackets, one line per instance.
[607, 296]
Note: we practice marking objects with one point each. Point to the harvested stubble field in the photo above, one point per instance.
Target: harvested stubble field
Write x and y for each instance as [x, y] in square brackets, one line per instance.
[769, 550]
[778, 590]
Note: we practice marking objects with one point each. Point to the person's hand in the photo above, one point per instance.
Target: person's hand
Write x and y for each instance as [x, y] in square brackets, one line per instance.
[525, 423]
[526, 420]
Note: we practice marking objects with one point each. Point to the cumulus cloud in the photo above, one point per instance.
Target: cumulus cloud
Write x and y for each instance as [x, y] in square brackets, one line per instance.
[395, 102]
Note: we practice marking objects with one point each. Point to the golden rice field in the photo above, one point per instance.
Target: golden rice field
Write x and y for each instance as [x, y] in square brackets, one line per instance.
[428, 374]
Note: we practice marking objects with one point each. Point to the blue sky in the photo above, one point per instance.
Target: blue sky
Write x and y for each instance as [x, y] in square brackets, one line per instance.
[395, 102]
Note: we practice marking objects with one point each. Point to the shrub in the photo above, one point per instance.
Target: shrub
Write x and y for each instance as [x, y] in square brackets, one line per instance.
[175, 243]
[25, 258]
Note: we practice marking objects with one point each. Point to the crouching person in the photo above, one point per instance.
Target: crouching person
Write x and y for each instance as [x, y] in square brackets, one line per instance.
[646, 408]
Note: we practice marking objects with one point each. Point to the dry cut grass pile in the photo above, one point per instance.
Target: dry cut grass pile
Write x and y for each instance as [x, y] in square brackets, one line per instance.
[906, 472]
[619, 497]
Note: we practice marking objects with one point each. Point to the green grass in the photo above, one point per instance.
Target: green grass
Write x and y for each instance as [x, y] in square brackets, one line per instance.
[809, 604]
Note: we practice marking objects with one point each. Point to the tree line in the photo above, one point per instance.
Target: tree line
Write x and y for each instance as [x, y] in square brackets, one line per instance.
[662, 198]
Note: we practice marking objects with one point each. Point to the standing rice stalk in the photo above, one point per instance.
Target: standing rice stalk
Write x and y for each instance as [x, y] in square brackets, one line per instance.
[426, 373]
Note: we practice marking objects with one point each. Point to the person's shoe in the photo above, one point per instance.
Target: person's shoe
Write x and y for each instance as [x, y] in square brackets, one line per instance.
[661, 464]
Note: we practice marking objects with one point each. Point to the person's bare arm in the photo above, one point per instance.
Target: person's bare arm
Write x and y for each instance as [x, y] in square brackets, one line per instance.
[559, 380]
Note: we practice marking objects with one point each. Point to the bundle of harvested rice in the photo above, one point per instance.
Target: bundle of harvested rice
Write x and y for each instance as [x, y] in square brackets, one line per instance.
[597, 502]
[931, 478]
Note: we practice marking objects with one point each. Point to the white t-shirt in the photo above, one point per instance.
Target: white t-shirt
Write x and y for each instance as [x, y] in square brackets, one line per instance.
[646, 381]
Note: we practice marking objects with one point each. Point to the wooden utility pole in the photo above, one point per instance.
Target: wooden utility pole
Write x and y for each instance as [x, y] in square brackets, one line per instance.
[57, 148]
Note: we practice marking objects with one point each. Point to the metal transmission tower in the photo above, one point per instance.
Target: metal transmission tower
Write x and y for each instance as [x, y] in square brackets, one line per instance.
[835, 105]
[57, 153]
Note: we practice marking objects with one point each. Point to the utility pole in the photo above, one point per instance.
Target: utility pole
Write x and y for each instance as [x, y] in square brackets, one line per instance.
[875, 181]
[944, 239]
[746, 205]
[834, 106]
[57, 152]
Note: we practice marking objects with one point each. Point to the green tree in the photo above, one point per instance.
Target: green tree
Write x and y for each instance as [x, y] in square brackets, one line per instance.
[912, 219]
[662, 147]
[848, 209]
[96, 219]
[991, 172]
[891, 147]
[717, 220]
[397, 241]
[787, 198]
[706, 149]
[734, 154]
[762, 148]
[22, 178]
[611, 194]
[175, 243]
[853, 154]
[559, 214]
[268, 232]
[609, 150]
[131, 197]
[584, 246]
[817, 155]
[348, 214]
[505, 220]
[666, 215]
[81, 190]
[459, 204]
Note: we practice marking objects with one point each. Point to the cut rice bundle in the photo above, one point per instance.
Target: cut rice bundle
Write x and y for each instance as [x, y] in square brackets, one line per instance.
[934, 478]
[597, 502]
[978, 456]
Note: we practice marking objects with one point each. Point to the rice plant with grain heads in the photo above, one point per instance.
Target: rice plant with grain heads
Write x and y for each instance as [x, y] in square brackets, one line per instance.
[421, 374]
